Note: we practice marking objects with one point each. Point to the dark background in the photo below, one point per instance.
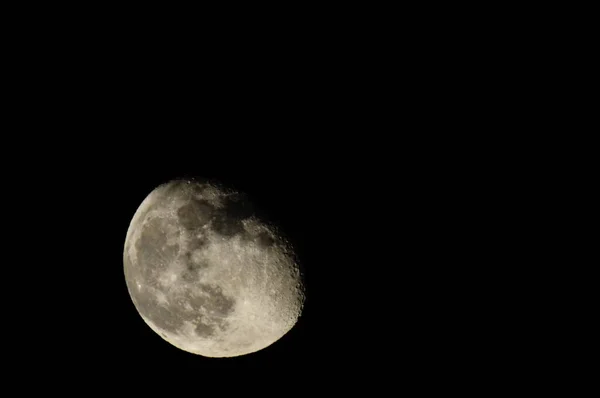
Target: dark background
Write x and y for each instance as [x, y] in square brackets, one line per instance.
[323, 193]
[409, 155]
[375, 219]
[359, 163]
[357, 210]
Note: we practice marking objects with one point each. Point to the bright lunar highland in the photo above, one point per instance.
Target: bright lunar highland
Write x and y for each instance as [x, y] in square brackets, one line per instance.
[206, 274]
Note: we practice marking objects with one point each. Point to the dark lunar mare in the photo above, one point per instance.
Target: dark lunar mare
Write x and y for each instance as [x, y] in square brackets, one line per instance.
[264, 239]
[171, 316]
[195, 214]
[192, 269]
[228, 220]
[214, 302]
[154, 254]
[166, 318]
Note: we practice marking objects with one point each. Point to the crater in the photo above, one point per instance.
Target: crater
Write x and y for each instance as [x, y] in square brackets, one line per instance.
[264, 239]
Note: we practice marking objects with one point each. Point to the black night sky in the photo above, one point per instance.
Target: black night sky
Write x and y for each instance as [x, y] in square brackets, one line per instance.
[357, 212]
[390, 153]
[374, 222]
[317, 198]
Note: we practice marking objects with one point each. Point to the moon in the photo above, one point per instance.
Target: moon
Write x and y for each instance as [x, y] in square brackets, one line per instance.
[207, 274]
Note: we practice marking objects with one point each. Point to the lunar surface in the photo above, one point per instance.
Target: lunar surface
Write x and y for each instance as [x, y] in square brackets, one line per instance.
[206, 274]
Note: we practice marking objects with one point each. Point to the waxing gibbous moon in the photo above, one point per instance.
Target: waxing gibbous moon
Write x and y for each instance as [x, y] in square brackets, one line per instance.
[206, 274]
